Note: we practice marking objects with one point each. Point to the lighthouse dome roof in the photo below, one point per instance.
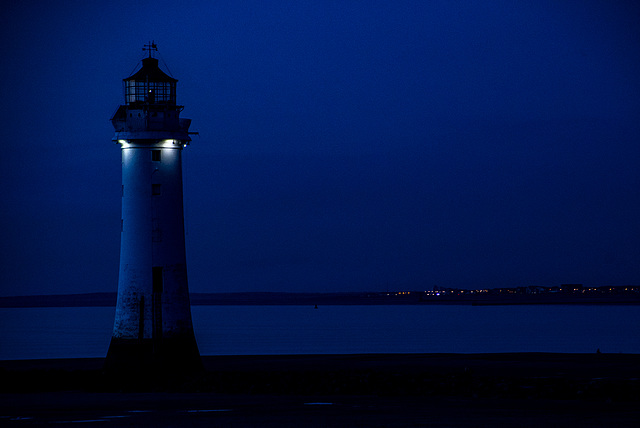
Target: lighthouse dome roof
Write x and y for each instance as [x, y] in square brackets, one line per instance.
[150, 71]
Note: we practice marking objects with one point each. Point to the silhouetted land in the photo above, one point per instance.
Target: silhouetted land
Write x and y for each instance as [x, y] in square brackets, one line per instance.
[527, 389]
[628, 295]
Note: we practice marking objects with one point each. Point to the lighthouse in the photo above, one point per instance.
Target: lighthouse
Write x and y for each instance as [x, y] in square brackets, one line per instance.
[153, 327]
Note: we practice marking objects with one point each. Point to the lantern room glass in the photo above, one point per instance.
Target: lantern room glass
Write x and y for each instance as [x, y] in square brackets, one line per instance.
[152, 92]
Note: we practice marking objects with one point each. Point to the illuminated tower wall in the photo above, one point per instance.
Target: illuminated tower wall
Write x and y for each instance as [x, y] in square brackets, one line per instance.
[152, 325]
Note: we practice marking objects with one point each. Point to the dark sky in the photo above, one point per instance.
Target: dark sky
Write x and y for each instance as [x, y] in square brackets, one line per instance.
[344, 145]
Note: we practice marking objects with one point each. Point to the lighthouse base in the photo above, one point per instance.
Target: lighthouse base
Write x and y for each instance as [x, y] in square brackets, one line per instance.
[173, 355]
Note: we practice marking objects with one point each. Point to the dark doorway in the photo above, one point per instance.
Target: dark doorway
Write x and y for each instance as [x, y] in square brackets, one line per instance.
[158, 286]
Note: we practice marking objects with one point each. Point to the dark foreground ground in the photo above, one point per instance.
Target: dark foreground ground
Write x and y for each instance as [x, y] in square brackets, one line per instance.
[391, 390]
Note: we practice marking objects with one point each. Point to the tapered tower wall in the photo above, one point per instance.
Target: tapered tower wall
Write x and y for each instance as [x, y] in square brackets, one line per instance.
[152, 237]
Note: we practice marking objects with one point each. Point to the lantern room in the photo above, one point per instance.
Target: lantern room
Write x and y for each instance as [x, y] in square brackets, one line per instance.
[150, 85]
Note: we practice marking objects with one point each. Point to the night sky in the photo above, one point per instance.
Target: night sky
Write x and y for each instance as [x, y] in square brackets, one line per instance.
[344, 145]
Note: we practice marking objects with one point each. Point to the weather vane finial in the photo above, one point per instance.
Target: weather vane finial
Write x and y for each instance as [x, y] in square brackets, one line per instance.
[151, 46]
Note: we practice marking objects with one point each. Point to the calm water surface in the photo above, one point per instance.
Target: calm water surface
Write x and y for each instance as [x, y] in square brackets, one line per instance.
[28, 333]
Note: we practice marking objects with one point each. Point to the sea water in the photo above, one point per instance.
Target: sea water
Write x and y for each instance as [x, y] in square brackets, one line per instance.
[34, 333]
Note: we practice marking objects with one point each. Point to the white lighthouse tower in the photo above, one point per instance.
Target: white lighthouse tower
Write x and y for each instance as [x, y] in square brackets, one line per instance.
[153, 327]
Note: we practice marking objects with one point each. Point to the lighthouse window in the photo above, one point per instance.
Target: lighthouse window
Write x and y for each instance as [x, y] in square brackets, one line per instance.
[156, 232]
[156, 155]
[156, 189]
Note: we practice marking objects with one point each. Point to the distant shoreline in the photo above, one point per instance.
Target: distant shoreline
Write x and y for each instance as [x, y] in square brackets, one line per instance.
[329, 299]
